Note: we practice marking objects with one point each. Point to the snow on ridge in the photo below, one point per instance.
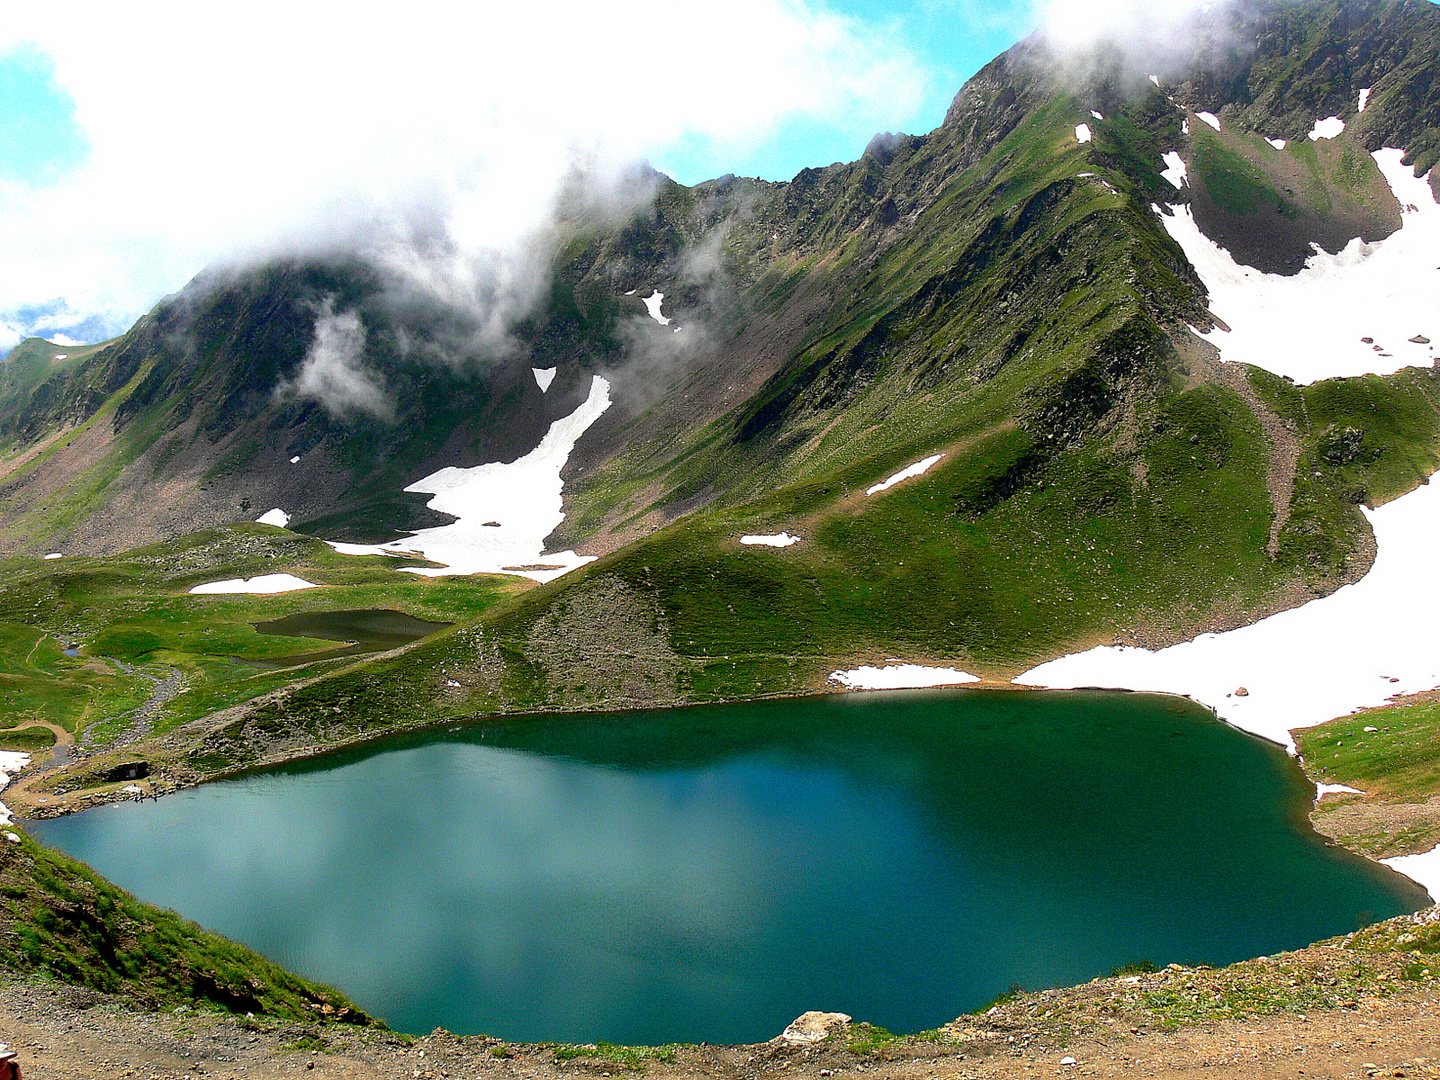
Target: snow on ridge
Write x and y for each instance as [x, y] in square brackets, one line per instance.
[1175, 169]
[1364, 99]
[1310, 325]
[652, 305]
[1328, 128]
[274, 517]
[1210, 118]
[1355, 648]
[1082, 133]
[543, 377]
[264, 583]
[900, 677]
[778, 540]
[904, 474]
[505, 510]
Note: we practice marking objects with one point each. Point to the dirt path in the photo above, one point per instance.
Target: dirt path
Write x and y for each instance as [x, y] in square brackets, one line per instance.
[1284, 448]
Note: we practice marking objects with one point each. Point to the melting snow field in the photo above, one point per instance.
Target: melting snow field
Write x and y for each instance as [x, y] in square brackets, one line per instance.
[904, 474]
[505, 511]
[11, 762]
[1328, 128]
[900, 677]
[783, 539]
[1354, 648]
[1209, 118]
[543, 377]
[265, 583]
[1309, 326]
[274, 517]
[1082, 133]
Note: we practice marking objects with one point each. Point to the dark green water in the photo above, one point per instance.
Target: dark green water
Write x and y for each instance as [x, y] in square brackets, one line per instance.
[369, 630]
[710, 873]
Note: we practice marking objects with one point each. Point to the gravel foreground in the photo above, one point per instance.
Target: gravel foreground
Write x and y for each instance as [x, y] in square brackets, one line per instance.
[1364, 1005]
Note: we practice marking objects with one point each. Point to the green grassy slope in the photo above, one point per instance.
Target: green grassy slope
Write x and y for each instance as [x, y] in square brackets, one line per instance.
[63, 920]
[131, 624]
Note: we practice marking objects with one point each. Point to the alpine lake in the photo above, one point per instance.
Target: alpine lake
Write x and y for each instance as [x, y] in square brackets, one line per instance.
[710, 873]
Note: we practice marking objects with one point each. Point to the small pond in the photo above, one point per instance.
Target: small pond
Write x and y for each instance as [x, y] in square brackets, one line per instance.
[367, 631]
[710, 873]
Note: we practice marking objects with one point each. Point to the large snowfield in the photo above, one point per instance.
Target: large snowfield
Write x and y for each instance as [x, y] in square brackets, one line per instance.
[1365, 642]
[505, 510]
[1310, 326]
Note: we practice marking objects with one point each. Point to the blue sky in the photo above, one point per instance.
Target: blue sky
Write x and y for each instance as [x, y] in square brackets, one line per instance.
[142, 144]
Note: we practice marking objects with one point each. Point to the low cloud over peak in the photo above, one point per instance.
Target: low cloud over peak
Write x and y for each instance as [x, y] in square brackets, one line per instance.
[311, 128]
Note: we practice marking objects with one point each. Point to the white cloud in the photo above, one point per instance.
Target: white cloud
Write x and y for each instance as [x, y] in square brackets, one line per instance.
[300, 126]
[334, 372]
[1145, 37]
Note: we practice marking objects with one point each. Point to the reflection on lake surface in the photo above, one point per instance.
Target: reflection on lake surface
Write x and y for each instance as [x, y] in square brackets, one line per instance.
[710, 873]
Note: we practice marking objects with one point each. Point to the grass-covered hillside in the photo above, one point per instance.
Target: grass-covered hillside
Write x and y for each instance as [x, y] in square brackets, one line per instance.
[62, 920]
[1000, 292]
[105, 649]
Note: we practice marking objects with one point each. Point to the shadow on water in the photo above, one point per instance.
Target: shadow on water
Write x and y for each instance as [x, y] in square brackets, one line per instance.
[711, 872]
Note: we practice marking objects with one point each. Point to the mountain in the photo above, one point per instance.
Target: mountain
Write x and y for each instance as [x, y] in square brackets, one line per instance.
[1004, 313]
[1004, 292]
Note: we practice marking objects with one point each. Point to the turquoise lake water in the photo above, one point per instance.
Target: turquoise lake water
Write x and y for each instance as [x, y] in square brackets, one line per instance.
[710, 873]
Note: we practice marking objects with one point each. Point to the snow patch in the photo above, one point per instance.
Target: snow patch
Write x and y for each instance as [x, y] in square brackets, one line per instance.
[652, 305]
[1082, 133]
[265, 583]
[1096, 115]
[54, 555]
[904, 474]
[61, 355]
[1328, 128]
[1174, 169]
[900, 677]
[1210, 118]
[524, 495]
[1310, 664]
[274, 517]
[1321, 790]
[362, 549]
[1309, 325]
[783, 539]
[11, 762]
[543, 377]
[1154, 79]
[1364, 99]
[1184, 127]
[1423, 869]
[294, 460]
[1278, 144]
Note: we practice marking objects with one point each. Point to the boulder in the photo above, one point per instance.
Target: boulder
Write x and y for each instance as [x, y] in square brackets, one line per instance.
[811, 1027]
